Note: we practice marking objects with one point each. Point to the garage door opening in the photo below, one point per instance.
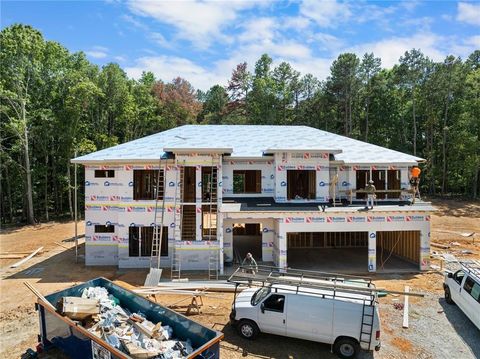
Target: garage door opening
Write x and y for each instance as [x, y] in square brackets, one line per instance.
[336, 252]
[398, 250]
[247, 238]
[347, 252]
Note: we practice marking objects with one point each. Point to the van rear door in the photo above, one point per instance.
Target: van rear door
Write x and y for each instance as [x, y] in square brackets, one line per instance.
[272, 317]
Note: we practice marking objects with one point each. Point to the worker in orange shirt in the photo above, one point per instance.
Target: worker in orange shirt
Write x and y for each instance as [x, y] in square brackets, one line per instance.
[415, 181]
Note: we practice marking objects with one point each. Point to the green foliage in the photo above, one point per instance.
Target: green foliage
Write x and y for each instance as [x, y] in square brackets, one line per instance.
[54, 104]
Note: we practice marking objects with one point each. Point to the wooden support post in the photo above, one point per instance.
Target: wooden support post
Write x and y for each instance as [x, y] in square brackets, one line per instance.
[405, 308]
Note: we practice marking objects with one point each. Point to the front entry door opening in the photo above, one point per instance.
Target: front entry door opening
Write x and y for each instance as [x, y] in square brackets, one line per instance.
[247, 238]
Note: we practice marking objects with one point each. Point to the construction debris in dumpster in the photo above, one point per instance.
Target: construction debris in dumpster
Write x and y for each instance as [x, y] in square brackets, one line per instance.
[129, 332]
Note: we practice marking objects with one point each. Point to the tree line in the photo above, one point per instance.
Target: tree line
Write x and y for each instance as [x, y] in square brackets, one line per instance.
[55, 104]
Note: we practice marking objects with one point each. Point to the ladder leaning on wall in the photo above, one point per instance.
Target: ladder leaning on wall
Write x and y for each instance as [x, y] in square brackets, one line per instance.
[176, 260]
[213, 259]
[153, 277]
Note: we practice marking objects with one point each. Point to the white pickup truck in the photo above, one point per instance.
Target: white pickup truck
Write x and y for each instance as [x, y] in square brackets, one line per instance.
[347, 320]
[463, 288]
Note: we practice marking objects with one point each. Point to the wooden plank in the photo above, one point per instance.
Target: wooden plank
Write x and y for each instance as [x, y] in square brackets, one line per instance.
[405, 308]
[12, 256]
[19, 263]
[438, 245]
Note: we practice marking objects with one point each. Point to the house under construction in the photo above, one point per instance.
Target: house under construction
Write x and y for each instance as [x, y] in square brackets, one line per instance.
[291, 195]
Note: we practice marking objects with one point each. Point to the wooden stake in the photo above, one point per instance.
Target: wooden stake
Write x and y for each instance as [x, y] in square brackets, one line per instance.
[405, 308]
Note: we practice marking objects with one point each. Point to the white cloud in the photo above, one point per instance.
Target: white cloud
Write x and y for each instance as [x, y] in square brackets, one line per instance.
[390, 50]
[328, 13]
[464, 47]
[295, 22]
[169, 67]
[120, 58]
[97, 52]
[468, 13]
[132, 21]
[159, 39]
[258, 30]
[198, 21]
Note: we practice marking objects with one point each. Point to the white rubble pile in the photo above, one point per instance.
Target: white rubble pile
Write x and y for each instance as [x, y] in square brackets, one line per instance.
[132, 333]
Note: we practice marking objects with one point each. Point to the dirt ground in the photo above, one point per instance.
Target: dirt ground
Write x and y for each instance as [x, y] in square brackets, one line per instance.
[437, 330]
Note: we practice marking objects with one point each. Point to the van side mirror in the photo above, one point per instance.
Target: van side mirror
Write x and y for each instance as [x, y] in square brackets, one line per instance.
[450, 275]
[262, 308]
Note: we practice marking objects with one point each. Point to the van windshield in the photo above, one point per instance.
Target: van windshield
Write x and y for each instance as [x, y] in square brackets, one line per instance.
[260, 295]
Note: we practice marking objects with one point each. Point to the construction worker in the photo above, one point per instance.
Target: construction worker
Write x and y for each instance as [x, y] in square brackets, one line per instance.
[370, 189]
[415, 181]
[250, 263]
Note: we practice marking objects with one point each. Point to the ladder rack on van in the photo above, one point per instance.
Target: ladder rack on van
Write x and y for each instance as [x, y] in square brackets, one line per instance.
[346, 287]
[472, 266]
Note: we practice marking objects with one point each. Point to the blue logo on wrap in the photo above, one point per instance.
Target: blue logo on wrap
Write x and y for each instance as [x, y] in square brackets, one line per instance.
[171, 184]
[89, 223]
[220, 184]
[228, 230]
[87, 183]
[132, 224]
[283, 183]
[106, 183]
[130, 184]
[345, 184]
[322, 184]
[265, 230]
[272, 177]
[373, 235]
[108, 223]
[200, 184]
[172, 225]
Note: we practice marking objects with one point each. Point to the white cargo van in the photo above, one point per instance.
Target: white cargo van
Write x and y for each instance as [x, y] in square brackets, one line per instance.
[341, 313]
[463, 288]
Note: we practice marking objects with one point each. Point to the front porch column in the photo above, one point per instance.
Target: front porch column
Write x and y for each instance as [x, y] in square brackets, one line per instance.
[282, 246]
[372, 251]
[425, 245]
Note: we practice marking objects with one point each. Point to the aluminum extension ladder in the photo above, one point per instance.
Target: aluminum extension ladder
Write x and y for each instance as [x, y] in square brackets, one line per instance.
[213, 263]
[176, 260]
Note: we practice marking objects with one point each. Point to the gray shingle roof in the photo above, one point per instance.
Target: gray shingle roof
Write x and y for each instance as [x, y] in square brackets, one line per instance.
[249, 141]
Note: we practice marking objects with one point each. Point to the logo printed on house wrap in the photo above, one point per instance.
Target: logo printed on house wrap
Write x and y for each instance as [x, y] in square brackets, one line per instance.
[395, 218]
[355, 219]
[375, 219]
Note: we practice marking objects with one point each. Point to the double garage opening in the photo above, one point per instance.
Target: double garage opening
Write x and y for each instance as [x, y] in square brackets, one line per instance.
[347, 252]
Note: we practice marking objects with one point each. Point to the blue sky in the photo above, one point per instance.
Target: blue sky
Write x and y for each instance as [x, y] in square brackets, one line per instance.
[203, 41]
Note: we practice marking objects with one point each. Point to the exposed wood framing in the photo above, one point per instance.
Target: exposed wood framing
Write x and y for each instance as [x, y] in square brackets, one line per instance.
[404, 244]
[327, 239]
